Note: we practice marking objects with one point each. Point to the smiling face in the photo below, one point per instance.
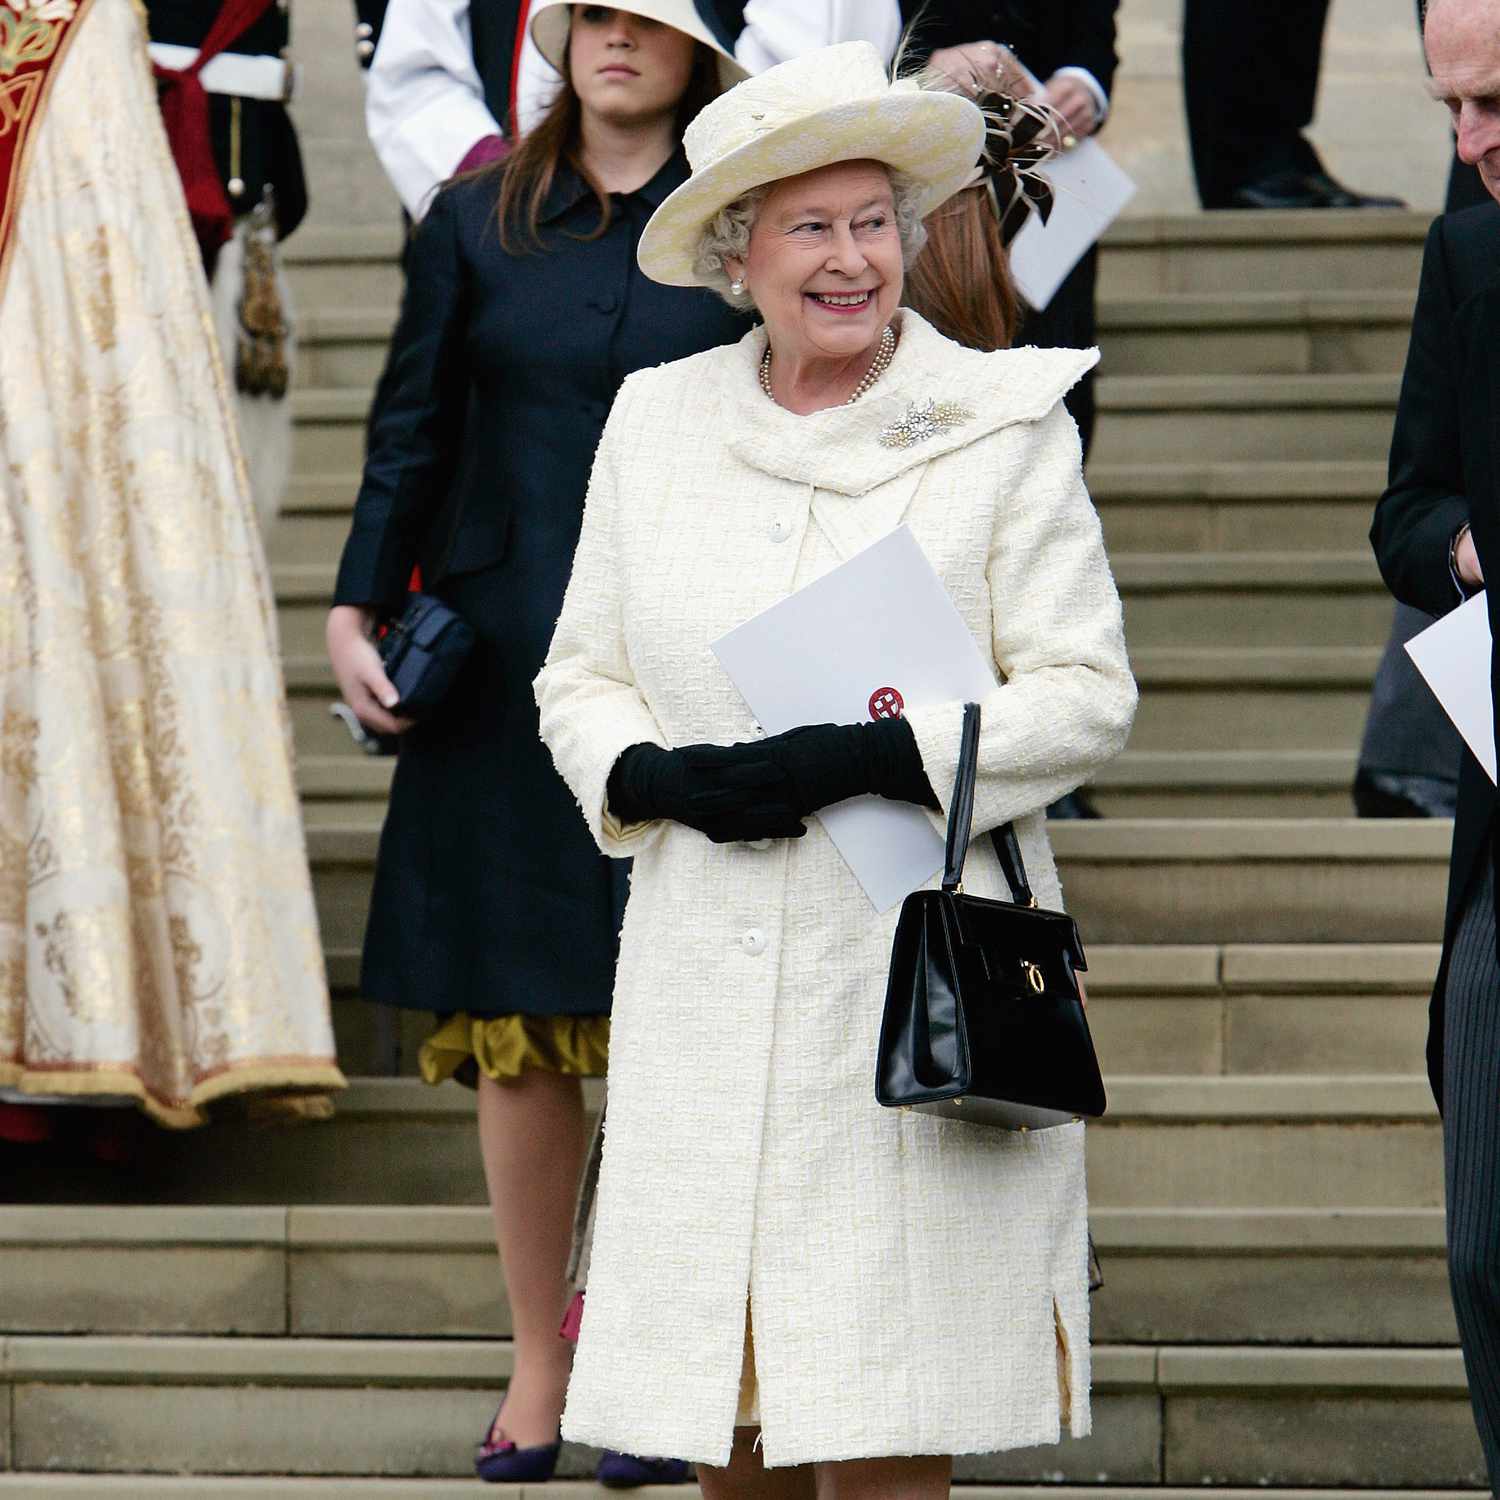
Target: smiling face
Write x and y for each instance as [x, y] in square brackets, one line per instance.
[626, 68]
[824, 261]
[1463, 51]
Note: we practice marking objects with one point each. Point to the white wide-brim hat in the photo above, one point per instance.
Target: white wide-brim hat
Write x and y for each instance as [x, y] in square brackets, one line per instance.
[551, 19]
[835, 104]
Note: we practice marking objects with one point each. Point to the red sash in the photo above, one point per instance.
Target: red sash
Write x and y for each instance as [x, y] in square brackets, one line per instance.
[184, 111]
[31, 54]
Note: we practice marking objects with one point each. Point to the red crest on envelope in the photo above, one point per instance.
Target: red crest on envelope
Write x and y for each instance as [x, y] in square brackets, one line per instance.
[886, 703]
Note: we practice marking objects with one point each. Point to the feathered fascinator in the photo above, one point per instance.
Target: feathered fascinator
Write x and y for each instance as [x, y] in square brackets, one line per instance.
[1020, 134]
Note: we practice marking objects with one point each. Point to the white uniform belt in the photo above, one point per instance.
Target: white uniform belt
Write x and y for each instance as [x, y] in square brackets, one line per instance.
[238, 73]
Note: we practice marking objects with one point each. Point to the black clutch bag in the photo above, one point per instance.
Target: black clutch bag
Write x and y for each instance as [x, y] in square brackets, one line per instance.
[422, 653]
[983, 1020]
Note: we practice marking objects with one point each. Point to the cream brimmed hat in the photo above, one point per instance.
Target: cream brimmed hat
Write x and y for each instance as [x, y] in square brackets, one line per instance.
[550, 20]
[835, 104]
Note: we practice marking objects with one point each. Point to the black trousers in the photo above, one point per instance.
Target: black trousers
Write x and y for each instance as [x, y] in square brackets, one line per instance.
[1250, 84]
[1471, 1150]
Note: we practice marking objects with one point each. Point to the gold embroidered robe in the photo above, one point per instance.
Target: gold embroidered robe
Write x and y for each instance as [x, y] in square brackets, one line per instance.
[157, 934]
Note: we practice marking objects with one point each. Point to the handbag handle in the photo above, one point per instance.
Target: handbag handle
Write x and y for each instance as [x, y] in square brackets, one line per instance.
[961, 819]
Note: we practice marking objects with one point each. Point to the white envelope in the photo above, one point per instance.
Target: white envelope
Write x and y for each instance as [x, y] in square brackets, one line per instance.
[880, 621]
[1454, 656]
[1089, 189]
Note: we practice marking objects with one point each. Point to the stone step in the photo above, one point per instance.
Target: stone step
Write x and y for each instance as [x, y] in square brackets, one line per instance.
[1193, 699]
[1140, 784]
[1139, 880]
[1241, 508]
[1245, 698]
[1226, 784]
[1146, 508]
[1278, 599]
[1269, 880]
[1172, 1276]
[1242, 333]
[346, 270]
[355, 268]
[1256, 333]
[1255, 599]
[345, 347]
[1250, 1009]
[1177, 418]
[1230, 1415]
[341, 784]
[1169, 1141]
[1142, 419]
[1291, 252]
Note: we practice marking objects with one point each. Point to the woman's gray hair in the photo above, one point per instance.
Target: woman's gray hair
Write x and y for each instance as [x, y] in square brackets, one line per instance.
[727, 234]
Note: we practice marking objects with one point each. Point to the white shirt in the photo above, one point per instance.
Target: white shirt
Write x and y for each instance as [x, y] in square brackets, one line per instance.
[424, 101]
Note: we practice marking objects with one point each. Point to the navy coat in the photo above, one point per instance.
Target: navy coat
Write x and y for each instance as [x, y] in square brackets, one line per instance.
[490, 897]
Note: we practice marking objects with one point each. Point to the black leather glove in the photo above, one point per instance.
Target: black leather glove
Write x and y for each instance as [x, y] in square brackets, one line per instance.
[730, 793]
[828, 763]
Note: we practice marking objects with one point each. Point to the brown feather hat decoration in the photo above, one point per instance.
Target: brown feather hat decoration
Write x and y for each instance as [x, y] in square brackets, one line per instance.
[1020, 135]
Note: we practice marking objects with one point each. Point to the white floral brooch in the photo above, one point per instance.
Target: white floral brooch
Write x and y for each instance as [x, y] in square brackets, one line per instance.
[931, 419]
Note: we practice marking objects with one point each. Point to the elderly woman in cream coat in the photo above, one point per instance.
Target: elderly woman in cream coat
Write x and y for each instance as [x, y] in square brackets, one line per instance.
[873, 1290]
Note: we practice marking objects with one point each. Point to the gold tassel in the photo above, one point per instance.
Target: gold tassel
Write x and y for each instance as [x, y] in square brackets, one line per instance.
[260, 367]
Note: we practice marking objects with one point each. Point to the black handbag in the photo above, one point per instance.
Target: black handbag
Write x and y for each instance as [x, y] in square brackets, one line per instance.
[983, 1020]
[422, 653]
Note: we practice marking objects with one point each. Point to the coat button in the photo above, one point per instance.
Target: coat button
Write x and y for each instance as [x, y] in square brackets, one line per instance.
[605, 303]
[753, 942]
[780, 530]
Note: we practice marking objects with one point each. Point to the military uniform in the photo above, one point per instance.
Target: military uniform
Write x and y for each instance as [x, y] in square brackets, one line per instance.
[258, 164]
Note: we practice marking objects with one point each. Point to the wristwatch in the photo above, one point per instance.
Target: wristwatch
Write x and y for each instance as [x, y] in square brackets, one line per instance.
[1463, 589]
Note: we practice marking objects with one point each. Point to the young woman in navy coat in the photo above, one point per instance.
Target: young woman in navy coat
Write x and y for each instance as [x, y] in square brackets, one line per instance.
[523, 313]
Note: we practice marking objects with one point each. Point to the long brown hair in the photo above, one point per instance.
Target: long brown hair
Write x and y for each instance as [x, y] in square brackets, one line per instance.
[960, 281]
[527, 174]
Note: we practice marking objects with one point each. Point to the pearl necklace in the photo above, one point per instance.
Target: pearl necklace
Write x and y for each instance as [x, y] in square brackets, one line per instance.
[878, 366]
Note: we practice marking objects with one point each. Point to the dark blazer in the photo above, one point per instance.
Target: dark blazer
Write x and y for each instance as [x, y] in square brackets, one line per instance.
[489, 894]
[267, 152]
[501, 372]
[1045, 34]
[1445, 470]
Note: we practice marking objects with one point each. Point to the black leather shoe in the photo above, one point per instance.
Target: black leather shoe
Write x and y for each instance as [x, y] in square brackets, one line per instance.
[1387, 794]
[1306, 190]
[1280, 190]
[1336, 195]
[1073, 805]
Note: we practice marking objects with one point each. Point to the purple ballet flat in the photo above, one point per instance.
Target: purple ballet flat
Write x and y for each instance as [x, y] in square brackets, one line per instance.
[504, 1463]
[624, 1471]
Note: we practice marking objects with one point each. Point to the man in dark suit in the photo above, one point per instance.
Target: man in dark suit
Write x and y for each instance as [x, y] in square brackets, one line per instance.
[1250, 84]
[1069, 45]
[1436, 535]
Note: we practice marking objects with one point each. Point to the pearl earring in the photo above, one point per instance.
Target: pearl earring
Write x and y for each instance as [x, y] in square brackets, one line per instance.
[737, 286]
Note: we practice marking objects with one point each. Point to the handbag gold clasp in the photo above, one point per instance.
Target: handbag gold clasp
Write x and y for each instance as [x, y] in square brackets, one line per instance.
[1033, 975]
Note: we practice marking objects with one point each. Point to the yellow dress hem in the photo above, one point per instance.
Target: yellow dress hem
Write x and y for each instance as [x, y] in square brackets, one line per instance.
[504, 1047]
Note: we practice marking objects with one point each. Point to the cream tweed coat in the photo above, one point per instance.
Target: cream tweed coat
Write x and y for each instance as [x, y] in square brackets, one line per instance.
[917, 1286]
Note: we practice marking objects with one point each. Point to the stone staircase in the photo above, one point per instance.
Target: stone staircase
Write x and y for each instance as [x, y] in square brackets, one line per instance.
[323, 1305]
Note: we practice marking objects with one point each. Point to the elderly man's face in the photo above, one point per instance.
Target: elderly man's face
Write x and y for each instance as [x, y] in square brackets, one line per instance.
[1463, 51]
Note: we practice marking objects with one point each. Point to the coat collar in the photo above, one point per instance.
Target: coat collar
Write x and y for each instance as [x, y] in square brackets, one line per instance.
[841, 449]
[569, 189]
